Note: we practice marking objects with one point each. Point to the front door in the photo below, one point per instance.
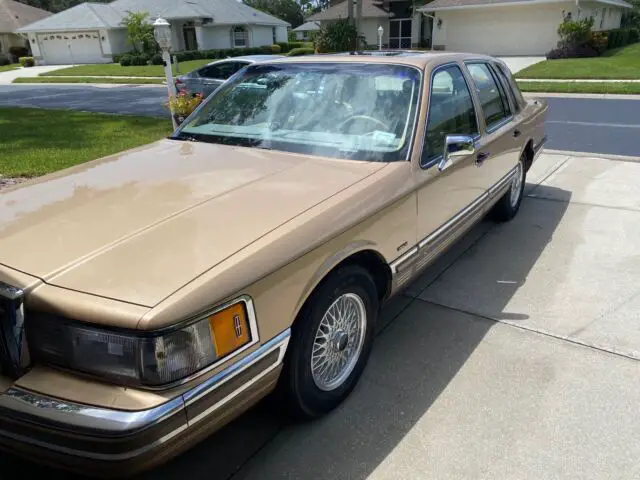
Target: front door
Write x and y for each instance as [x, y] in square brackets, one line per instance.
[190, 38]
[451, 198]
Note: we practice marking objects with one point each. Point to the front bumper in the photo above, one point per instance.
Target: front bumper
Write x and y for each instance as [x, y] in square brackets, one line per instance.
[83, 437]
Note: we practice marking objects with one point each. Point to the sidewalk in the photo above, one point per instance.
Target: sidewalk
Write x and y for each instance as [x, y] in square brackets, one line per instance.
[11, 75]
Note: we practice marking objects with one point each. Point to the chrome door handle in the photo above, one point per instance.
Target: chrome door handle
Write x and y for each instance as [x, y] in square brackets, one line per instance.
[481, 157]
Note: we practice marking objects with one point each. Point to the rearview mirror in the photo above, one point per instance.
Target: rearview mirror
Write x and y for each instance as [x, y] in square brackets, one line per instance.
[456, 146]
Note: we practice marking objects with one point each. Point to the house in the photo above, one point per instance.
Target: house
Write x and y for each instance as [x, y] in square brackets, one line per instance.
[513, 27]
[93, 32]
[402, 26]
[306, 31]
[14, 15]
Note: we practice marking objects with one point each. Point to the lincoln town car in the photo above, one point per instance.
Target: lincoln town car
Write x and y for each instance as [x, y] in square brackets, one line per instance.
[149, 297]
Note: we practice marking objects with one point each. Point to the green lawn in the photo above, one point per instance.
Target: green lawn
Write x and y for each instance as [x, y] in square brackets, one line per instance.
[136, 81]
[38, 141]
[6, 68]
[115, 69]
[583, 87]
[621, 64]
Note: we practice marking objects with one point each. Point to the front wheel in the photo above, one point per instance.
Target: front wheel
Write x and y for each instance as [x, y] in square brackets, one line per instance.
[508, 206]
[331, 342]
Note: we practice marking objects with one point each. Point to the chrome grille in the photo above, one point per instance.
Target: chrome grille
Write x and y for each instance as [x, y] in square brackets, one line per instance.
[14, 357]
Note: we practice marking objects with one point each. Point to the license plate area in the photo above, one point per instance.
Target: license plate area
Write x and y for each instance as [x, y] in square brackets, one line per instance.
[14, 355]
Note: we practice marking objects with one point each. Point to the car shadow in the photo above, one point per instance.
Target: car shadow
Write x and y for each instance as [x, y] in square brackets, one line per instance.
[419, 350]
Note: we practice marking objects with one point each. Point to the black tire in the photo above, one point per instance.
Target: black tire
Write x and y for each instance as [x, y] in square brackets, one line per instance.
[505, 209]
[304, 399]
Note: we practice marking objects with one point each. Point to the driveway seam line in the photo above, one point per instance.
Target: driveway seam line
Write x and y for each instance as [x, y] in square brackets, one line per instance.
[586, 204]
[553, 169]
[541, 332]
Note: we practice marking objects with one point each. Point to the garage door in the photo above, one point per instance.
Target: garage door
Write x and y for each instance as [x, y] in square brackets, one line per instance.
[518, 30]
[68, 48]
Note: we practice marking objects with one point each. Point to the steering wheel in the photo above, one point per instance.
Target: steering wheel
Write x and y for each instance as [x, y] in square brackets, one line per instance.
[362, 118]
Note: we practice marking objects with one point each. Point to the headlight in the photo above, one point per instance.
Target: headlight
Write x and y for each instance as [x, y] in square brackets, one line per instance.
[145, 359]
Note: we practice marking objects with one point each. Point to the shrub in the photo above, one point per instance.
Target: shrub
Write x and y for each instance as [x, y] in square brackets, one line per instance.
[19, 51]
[634, 35]
[26, 61]
[284, 47]
[339, 36]
[139, 60]
[4, 59]
[623, 36]
[575, 51]
[301, 51]
[276, 49]
[598, 41]
[575, 32]
[157, 59]
[126, 60]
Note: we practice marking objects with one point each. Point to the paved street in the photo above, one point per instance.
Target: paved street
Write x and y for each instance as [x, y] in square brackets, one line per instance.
[575, 124]
[516, 356]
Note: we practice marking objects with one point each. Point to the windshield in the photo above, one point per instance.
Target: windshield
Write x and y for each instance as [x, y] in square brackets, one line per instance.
[351, 111]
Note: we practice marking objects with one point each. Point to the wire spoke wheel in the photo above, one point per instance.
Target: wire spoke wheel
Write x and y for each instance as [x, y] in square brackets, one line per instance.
[338, 342]
[516, 185]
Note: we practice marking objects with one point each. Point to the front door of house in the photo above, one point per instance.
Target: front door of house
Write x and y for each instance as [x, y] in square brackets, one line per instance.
[189, 34]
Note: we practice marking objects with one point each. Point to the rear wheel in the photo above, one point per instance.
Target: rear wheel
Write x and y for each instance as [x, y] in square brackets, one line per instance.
[508, 206]
[331, 342]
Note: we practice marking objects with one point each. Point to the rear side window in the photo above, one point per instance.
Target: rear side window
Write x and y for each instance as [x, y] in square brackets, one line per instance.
[494, 101]
[512, 86]
[451, 112]
[220, 71]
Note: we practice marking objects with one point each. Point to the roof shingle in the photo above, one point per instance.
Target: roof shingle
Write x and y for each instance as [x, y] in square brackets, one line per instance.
[14, 15]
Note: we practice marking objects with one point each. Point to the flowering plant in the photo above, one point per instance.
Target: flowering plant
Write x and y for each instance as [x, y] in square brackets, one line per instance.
[182, 105]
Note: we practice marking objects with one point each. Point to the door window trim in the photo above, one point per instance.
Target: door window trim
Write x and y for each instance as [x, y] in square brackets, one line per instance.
[431, 163]
[496, 125]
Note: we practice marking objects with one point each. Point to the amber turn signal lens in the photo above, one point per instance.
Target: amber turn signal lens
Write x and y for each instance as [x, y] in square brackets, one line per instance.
[230, 328]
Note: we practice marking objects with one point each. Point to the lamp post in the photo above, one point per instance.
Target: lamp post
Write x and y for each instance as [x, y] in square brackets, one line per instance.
[162, 34]
[380, 32]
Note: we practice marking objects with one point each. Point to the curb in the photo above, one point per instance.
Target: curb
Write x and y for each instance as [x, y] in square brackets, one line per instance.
[597, 96]
[606, 156]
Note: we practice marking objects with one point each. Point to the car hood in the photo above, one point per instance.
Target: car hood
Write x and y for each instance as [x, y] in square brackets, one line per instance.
[139, 225]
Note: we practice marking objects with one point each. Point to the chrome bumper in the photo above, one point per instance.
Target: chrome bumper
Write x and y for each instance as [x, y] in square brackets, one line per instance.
[79, 430]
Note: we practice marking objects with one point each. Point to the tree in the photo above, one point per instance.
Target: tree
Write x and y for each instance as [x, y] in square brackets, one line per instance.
[338, 36]
[140, 32]
[287, 10]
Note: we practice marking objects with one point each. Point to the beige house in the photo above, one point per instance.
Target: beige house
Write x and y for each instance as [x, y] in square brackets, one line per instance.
[14, 15]
[513, 27]
[93, 32]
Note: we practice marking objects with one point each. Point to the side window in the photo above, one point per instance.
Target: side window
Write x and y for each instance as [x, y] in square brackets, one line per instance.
[451, 111]
[495, 104]
[219, 71]
[512, 85]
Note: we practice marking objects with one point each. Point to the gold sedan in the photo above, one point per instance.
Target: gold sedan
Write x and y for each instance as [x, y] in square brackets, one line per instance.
[149, 297]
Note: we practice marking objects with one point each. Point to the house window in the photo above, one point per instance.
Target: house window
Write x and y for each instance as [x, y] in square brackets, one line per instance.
[400, 33]
[273, 35]
[240, 37]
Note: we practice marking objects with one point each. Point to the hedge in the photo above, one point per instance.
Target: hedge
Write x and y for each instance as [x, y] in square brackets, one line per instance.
[622, 36]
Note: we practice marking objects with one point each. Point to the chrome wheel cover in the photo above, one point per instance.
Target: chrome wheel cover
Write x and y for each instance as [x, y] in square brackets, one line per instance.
[338, 342]
[516, 185]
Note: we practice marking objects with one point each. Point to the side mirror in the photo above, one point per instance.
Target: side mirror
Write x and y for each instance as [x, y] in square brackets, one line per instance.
[456, 146]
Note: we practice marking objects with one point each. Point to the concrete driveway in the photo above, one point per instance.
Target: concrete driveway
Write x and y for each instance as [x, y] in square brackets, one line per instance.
[516, 356]
[516, 64]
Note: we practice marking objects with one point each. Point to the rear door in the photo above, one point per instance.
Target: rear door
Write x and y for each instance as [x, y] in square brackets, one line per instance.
[500, 146]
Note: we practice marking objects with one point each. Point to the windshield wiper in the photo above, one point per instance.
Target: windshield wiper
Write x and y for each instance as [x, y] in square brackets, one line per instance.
[184, 137]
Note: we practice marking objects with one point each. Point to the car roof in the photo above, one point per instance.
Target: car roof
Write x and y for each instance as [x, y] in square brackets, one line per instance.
[249, 58]
[417, 58]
